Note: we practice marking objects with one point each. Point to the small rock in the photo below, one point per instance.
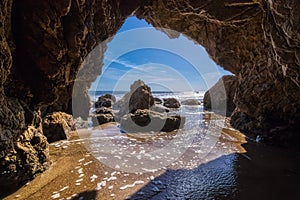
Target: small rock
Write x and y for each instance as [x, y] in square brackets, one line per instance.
[171, 103]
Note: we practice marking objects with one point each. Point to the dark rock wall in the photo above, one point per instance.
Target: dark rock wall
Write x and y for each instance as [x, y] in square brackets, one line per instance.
[256, 40]
[219, 98]
[52, 39]
[45, 43]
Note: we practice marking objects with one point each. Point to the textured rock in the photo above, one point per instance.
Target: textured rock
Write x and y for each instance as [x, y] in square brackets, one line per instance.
[102, 119]
[23, 149]
[110, 96]
[106, 100]
[58, 126]
[258, 41]
[139, 97]
[171, 103]
[147, 121]
[220, 97]
[103, 115]
[103, 110]
[52, 39]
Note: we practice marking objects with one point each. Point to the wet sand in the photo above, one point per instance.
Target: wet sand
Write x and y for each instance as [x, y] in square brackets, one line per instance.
[233, 169]
[76, 174]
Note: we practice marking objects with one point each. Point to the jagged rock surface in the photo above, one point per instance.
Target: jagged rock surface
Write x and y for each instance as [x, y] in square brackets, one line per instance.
[23, 149]
[256, 40]
[139, 97]
[171, 103]
[148, 121]
[58, 126]
[105, 101]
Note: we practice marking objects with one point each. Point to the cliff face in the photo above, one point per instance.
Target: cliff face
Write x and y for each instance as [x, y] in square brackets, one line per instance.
[43, 44]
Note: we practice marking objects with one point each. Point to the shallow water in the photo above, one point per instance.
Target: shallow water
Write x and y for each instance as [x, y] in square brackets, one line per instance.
[206, 160]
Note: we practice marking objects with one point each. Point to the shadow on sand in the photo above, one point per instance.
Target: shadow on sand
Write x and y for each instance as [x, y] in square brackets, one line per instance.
[86, 195]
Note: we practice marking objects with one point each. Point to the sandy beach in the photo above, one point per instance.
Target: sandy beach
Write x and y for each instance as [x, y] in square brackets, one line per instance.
[76, 174]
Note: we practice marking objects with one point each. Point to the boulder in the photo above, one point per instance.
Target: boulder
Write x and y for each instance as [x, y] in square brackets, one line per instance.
[171, 103]
[106, 100]
[149, 121]
[139, 97]
[191, 102]
[103, 110]
[220, 97]
[103, 115]
[110, 96]
[58, 126]
[102, 119]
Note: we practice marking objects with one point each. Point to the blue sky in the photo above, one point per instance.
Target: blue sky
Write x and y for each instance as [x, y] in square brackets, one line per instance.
[139, 51]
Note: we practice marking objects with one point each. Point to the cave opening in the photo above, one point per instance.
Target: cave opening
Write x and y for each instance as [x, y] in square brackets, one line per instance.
[165, 60]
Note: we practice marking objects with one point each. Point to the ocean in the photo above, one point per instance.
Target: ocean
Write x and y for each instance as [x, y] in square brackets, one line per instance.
[206, 159]
[160, 94]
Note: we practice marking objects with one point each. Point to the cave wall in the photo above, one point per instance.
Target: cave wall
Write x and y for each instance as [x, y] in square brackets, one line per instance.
[23, 148]
[256, 40]
[43, 44]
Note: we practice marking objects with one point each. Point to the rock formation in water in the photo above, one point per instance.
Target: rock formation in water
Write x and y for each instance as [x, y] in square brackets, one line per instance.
[139, 97]
[44, 43]
[171, 103]
[150, 121]
[104, 112]
[220, 97]
[106, 100]
[138, 113]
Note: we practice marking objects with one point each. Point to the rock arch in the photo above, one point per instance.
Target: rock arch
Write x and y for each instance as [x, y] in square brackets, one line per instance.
[43, 44]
